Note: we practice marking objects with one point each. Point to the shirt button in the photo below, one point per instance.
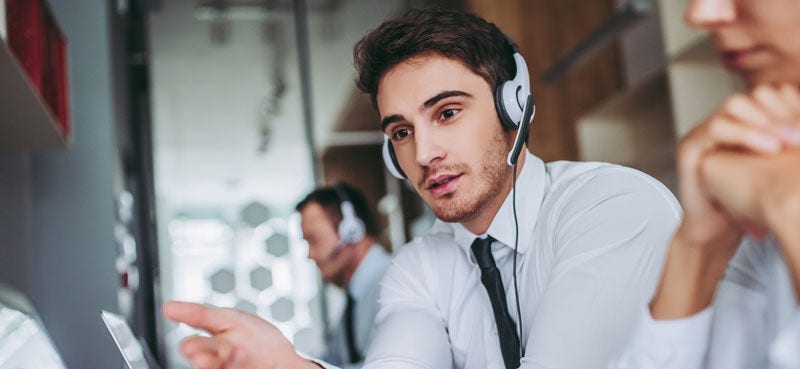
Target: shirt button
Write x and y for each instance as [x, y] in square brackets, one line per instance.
[494, 331]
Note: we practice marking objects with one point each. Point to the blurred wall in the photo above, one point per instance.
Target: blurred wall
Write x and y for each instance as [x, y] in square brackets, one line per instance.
[56, 227]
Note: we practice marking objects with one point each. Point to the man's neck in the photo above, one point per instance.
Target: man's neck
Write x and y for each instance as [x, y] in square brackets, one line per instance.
[481, 222]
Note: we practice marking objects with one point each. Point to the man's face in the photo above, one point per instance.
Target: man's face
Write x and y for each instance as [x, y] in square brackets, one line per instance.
[756, 38]
[446, 134]
[322, 238]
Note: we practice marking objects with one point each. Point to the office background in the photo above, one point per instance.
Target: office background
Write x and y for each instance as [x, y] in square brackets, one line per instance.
[198, 124]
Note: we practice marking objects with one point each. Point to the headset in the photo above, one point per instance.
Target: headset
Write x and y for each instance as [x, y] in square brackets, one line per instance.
[351, 228]
[515, 107]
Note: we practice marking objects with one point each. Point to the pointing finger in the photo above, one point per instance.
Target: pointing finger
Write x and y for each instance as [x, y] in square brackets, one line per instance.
[214, 320]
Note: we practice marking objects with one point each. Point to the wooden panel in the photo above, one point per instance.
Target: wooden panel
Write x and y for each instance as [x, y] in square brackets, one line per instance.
[545, 30]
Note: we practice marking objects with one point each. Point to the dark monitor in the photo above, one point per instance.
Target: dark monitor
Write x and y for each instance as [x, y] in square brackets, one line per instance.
[23, 337]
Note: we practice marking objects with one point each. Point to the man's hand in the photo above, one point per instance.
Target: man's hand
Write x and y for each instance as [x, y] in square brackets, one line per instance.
[765, 121]
[238, 340]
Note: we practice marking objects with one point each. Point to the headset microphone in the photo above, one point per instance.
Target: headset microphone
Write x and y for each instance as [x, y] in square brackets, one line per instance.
[337, 250]
[522, 132]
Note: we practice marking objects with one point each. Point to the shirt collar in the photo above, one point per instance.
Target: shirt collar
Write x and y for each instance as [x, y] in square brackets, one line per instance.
[369, 271]
[531, 185]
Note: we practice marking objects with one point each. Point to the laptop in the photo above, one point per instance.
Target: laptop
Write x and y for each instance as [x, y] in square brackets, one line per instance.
[135, 354]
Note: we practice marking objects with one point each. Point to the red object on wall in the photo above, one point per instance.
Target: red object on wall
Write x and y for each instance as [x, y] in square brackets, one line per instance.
[39, 45]
[54, 87]
[25, 32]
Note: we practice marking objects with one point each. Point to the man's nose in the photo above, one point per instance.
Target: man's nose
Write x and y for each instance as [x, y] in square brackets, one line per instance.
[428, 146]
[708, 14]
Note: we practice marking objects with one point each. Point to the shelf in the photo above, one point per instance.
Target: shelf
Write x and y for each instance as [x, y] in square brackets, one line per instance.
[701, 51]
[626, 128]
[26, 123]
[699, 84]
[633, 128]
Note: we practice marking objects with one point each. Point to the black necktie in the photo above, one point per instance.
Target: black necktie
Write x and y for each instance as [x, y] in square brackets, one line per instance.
[349, 329]
[493, 282]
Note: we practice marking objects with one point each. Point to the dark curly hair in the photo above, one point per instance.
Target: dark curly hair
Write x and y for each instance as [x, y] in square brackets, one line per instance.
[480, 45]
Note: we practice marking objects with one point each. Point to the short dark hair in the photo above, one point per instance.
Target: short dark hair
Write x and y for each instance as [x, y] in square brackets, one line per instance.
[330, 199]
[464, 37]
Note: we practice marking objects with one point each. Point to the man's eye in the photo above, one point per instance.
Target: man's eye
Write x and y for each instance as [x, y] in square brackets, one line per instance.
[449, 113]
[400, 134]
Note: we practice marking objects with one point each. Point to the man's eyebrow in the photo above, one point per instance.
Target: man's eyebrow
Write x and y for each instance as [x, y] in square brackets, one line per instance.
[426, 105]
[391, 119]
[442, 95]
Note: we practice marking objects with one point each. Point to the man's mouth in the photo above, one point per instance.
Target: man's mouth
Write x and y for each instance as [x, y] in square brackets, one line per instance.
[442, 184]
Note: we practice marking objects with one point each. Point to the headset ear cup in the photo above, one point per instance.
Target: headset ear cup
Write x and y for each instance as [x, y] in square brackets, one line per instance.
[390, 160]
[500, 106]
[351, 228]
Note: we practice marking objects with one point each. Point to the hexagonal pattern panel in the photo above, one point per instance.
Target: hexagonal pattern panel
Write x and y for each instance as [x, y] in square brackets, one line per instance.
[282, 309]
[261, 278]
[254, 214]
[303, 339]
[223, 281]
[277, 245]
[246, 306]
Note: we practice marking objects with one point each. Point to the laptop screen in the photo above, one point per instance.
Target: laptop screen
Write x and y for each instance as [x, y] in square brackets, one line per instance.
[135, 354]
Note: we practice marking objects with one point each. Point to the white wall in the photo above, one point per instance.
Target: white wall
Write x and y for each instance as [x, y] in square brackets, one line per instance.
[206, 101]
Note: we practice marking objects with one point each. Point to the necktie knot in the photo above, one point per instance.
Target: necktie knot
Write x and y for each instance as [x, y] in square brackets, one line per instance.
[482, 249]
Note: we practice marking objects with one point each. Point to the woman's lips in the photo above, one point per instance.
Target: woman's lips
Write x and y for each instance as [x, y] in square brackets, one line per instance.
[740, 58]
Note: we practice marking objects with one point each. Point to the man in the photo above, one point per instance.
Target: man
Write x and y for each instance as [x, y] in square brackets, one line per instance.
[341, 231]
[547, 275]
[739, 174]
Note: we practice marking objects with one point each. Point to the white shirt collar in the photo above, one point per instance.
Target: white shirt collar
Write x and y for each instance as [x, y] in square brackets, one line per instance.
[369, 271]
[531, 185]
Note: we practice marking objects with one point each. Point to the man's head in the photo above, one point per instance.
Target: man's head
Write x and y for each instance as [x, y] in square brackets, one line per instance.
[432, 75]
[479, 45]
[756, 38]
[321, 214]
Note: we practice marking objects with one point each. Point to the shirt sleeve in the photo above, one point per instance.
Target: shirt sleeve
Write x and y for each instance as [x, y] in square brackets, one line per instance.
[666, 344]
[409, 330]
[784, 353]
[610, 235]
[729, 335]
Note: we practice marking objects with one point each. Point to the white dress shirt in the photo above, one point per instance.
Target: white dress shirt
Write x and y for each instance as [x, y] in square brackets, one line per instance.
[592, 240]
[754, 322]
[364, 287]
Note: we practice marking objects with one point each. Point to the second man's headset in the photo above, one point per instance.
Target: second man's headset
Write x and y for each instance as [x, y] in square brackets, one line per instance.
[515, 108]
[351, 228]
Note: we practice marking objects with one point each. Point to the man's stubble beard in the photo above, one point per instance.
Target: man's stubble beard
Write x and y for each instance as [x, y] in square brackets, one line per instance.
[494, 173]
